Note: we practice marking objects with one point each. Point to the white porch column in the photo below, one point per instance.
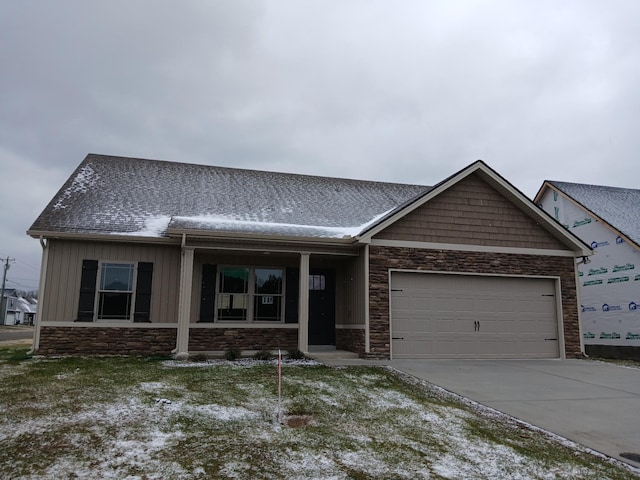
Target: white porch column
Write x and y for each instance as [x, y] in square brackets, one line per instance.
[303, 304]
[184, 304]
[41, 295]
[367, 341]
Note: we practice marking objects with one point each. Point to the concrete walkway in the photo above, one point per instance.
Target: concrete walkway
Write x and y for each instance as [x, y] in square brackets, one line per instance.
[592, 403]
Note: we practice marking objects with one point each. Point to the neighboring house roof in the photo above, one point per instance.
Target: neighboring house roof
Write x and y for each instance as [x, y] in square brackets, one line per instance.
[9, 292]
[618, 207]
[128, 196]
[25, 306]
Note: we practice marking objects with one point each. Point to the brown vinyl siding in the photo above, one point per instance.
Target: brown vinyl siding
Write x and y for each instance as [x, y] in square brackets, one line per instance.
[472, 213]
[62, 289]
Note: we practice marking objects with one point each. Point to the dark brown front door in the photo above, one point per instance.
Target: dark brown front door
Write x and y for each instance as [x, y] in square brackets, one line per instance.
[322, 307]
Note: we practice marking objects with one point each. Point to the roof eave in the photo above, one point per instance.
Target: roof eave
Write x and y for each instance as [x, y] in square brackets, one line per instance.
[212, 235]
[103, 237]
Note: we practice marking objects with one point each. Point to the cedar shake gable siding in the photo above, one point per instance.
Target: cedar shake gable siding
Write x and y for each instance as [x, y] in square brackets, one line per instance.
[471, 212]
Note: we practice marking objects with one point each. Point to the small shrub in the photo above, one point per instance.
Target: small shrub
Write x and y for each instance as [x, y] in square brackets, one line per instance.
[263, 354]
[232, 353]
[295, 354]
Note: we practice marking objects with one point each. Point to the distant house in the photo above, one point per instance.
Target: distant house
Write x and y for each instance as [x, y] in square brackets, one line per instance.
[9, 306]
[26, 311]
[608, 219]
[154, 257]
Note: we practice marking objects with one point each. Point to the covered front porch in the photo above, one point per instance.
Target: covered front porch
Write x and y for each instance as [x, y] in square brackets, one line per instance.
[261, 295]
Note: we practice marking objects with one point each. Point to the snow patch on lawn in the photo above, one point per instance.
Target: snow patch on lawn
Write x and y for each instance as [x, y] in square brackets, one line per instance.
[137, 437]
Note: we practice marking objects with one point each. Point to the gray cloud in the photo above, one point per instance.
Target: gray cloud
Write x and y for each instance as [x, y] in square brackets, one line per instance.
[407, 92]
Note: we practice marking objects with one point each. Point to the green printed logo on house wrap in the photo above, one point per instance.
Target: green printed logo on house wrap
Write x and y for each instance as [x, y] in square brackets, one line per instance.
[632, 336]
[580, 273]
[598, 271]
[618, 280]
[609, 336]
[580, 223]
[622, 268]
[592, 282]
[637, 277]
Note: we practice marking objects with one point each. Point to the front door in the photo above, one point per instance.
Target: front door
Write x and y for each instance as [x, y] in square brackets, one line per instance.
[322, 307]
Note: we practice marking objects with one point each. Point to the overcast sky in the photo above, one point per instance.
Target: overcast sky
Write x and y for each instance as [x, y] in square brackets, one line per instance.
[408, 91]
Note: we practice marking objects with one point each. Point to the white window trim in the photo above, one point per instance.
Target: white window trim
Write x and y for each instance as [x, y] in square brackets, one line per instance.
[251, 295]
[134, 286]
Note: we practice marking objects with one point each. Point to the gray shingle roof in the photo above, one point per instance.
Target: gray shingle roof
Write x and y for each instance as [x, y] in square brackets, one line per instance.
[619, 207]
[118, 195]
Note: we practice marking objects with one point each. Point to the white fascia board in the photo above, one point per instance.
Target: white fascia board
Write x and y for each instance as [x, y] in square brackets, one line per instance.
[105, 237]
[231, 236]
[461, 247]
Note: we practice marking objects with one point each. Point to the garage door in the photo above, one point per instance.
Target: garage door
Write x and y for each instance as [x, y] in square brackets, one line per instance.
[458, 316]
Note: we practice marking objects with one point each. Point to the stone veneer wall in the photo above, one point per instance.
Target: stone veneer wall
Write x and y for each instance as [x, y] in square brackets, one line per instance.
[219, 339]
[351, 340]
[381, 259]
[106, 341]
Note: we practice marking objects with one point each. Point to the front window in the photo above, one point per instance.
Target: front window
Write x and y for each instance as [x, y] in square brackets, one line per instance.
[250, 294]
[232, 298]
[116, 291]
[268, 294]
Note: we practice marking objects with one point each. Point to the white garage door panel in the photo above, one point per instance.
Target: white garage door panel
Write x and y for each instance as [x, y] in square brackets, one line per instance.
[437, 316]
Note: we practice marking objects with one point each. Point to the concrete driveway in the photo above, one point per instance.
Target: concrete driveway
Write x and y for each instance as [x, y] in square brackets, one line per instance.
[592, 403]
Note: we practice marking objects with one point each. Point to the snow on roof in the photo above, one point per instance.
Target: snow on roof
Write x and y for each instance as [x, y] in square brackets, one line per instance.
[25, 306]
[619, 207]
[129, 196]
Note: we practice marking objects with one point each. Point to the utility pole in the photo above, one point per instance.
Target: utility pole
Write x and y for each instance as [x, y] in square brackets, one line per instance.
[7, 266]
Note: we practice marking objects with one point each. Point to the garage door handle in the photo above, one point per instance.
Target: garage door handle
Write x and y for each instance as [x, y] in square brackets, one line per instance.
[550, 339]
[397, 338]
[397, 290]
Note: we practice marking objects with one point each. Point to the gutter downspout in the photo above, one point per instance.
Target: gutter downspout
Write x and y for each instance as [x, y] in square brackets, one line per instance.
[367, 340]
[184, 301]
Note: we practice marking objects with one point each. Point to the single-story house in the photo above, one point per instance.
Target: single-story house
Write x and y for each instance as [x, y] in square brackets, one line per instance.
[608, 219]
[155, 257]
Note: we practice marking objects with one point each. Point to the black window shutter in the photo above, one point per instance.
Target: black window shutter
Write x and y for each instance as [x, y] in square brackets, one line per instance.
[292, 295]
[208, 292]
[87, 290]
[143, 292]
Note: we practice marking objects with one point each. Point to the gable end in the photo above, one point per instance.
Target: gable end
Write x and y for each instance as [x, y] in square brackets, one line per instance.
[471, 212]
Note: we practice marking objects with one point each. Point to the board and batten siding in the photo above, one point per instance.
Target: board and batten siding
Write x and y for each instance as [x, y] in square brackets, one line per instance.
[352, 310]
[64, 270]
[472, 213]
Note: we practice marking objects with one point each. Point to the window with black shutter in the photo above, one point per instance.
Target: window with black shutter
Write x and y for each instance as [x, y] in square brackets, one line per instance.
[110, 290]
[87, 290]
[143, 292]
[208, 293]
